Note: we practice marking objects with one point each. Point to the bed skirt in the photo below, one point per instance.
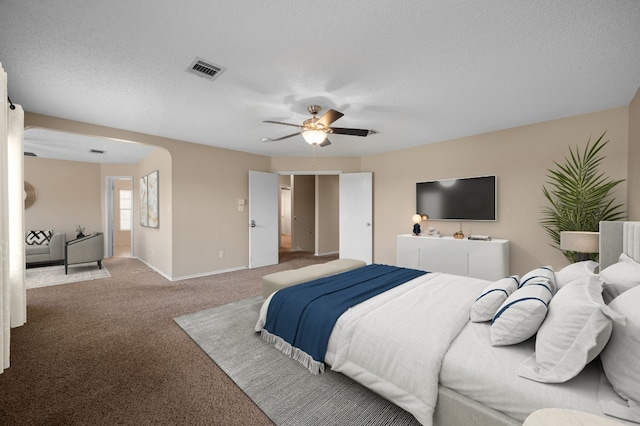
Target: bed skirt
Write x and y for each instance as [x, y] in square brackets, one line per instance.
[456, 409]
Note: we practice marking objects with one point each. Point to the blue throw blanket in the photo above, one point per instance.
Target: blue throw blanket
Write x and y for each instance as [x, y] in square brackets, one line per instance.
[300, 318]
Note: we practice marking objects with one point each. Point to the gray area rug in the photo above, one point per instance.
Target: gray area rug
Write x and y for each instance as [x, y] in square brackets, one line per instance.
[280, 386]
[54, 275]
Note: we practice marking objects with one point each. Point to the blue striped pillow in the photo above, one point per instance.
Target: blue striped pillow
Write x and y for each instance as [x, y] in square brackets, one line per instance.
[543, 275]
[486, 305]
[520, 316]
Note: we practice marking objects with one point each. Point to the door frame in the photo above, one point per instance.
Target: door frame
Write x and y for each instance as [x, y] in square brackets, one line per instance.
[108, 224]
[309, 172]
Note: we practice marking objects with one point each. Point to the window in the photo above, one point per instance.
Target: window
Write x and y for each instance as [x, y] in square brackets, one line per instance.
[125, 210]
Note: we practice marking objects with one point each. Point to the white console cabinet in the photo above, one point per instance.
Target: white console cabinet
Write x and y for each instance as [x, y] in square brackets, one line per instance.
[479, 259]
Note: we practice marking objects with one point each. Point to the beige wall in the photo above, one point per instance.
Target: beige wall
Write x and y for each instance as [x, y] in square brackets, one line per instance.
[633, 163]
[68, 195]
[519, 157]
[155, 245]
[327, 214]
[206, 183]
[303, 213]
[316, 165]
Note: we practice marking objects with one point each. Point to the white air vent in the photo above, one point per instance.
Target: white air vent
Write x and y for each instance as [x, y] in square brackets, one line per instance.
[205, 69]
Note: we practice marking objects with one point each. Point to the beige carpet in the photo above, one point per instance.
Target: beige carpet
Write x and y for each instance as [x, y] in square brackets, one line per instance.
[54, 275]
[108, 352]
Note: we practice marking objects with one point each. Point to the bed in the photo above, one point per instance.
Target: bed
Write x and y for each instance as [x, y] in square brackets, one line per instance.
[415, 344]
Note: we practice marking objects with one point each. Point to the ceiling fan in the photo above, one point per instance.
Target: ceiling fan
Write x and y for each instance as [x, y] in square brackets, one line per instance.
[315, 130]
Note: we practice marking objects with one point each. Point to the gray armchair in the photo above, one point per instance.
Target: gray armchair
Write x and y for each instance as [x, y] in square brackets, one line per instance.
[83, 250]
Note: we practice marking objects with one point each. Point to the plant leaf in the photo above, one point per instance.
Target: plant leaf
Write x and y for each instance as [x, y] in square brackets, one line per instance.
[579, 194]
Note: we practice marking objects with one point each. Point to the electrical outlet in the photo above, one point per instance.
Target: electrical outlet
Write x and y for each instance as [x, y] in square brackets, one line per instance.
[221, 254]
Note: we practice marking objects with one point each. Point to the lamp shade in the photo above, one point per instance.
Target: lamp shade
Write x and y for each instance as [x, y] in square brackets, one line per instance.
[416, 218]
[314, 137]
[580, 241]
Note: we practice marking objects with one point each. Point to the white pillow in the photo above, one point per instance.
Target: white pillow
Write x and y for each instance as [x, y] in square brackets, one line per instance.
[620, 277]
[520, 316]
[575, 271]
[620, 360]
[575, 331]
[543, 272]
[487, 304]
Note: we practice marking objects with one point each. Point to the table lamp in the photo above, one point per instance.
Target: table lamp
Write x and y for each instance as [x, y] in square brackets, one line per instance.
[416, 218]
[581, 242]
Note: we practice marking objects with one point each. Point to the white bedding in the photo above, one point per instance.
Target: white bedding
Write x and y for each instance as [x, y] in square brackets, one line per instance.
[488, 375]
[435, 343]
[391, 360]
[403, 363]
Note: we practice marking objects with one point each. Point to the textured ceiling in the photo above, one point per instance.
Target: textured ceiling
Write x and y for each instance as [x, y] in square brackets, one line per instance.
[416, 71]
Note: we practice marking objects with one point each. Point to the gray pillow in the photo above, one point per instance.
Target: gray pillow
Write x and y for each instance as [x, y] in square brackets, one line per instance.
[620, 277]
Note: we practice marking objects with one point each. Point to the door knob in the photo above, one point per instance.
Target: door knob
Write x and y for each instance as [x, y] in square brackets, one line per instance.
[368, 224]
[253, 223]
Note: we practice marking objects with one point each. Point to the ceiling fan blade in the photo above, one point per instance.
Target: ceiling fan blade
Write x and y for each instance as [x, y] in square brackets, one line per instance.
[351, 132]
[326, 142]
[329, 117]
[280, 122]
[281, 138]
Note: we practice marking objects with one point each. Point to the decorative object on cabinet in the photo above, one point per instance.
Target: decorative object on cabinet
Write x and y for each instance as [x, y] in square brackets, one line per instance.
[582, 243]
[579, 196]
[416, 218]
[459, 235]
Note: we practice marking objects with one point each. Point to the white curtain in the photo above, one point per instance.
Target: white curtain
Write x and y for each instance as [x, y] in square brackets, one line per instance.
[5, 287]
[16, 217]
[13, 301]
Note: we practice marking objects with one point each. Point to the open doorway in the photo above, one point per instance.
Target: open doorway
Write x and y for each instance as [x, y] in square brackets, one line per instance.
[340, 221]
[285, 219]
[119, 208]
[308, 214]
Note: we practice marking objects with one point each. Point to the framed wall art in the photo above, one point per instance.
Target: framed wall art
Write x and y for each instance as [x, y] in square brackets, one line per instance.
[149, 198]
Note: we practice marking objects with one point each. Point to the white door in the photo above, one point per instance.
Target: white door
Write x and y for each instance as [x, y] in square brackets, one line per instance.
[285, 210]
[263, 219]
[356, 216]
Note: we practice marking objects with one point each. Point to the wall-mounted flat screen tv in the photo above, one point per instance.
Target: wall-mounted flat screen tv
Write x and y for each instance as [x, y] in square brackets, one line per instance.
[473, 198]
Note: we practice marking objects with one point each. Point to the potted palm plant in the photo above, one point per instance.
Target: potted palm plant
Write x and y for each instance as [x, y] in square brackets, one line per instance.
[579, 195]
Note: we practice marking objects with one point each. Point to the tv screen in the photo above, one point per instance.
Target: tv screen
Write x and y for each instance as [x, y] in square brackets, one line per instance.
[471, 198]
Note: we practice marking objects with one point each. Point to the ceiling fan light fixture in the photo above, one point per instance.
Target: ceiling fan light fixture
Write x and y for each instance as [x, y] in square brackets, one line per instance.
[314, 137]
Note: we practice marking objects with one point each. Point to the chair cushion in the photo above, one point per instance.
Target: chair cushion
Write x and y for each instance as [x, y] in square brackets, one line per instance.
[31, 250]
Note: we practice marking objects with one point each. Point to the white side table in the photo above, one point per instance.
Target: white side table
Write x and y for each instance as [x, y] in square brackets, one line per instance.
[561, 417]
